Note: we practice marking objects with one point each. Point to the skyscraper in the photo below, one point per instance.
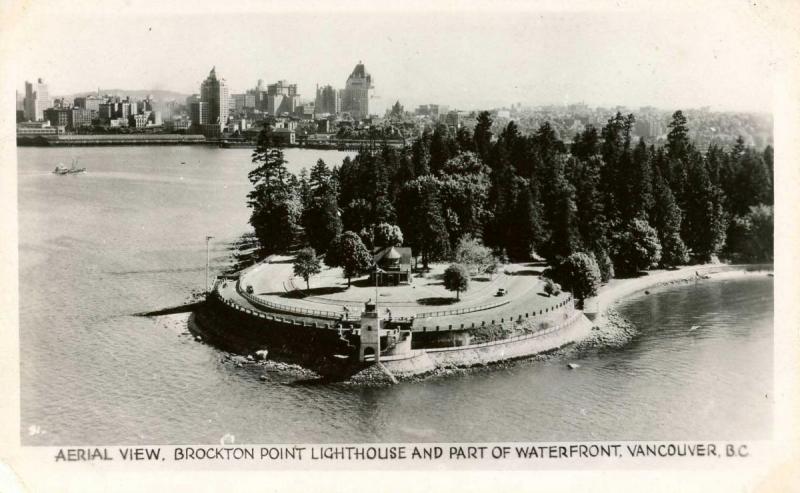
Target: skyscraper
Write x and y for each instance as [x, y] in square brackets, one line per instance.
[355, 97]
[37, 99]
[215, 92]
[328, 101]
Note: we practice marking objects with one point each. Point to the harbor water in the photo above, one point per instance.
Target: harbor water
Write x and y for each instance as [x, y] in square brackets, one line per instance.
[128, 236]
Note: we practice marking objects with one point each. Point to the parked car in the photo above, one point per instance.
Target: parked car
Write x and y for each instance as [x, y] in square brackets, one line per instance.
[502, 292]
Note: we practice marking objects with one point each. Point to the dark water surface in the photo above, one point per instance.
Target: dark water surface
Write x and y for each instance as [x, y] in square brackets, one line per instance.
[128, 237]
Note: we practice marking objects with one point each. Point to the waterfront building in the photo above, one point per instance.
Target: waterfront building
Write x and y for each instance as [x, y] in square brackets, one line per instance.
[328, 101]
[32, 129]
[139, 120]
[284, 135]
[214, 92]
[355, 97]
[198, 113]
[37, 99]
[80, 117]
[178, 125]
[58, 117]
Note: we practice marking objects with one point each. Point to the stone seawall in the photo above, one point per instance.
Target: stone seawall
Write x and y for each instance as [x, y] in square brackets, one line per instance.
[427, 360]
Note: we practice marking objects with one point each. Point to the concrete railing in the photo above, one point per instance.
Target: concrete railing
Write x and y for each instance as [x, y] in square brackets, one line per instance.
[538, 333]
[512, 319]
[262, 303]
[459, 311]
[274, 318]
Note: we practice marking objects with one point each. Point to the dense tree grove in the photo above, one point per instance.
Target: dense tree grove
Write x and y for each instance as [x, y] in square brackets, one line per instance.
[625, 204]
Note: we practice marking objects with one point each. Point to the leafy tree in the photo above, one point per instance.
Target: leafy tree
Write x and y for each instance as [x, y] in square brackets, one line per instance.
[385, 234]
[349, 253]
[357, 215]
[471, 253]
[321, 221]
[422, 220]
[275, 205]
[580, 275]
[456, 278]
[752, 183]
[306, 264]
[751, 237]
[605, 264]
[637, 248]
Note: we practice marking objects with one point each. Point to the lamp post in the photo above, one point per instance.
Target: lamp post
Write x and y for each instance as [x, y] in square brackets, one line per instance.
[207, 240]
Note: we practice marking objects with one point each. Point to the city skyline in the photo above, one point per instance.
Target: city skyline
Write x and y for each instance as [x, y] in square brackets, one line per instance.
[470, 60]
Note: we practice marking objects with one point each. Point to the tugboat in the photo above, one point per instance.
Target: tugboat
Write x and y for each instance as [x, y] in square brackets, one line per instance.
[63, 170]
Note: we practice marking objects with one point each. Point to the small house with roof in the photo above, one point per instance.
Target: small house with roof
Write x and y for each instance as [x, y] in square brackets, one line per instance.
[393, 266]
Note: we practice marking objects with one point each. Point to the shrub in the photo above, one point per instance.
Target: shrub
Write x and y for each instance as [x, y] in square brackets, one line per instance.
[551, 288]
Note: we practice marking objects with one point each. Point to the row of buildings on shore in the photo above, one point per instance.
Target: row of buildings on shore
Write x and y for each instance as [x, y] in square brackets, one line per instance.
[338, 117]
[213, 112]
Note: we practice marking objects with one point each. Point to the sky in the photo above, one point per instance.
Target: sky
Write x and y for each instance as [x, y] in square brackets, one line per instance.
[478, 55]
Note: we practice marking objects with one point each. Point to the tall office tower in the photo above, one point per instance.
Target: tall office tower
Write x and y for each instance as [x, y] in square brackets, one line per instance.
[198, 112]
[215, 92]
[355, 99]
[328, 101]
[37, 99]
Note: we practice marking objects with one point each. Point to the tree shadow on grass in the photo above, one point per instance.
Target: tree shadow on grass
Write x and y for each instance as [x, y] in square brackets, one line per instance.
[436, 301]
[316, 291]
[481, 279]
[363, 283]
[631, 275]
[527, 272]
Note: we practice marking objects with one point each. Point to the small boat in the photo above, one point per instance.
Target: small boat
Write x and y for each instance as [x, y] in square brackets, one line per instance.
[63, 170]
[694, 327]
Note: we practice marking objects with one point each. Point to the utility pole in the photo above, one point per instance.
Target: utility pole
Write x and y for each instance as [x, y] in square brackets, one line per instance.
[207, 240]
[378, 315]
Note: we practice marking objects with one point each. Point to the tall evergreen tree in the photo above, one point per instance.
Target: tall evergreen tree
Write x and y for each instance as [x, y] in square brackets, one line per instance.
[483, 135]
[667, 217]
[704, 224]
[275, 205]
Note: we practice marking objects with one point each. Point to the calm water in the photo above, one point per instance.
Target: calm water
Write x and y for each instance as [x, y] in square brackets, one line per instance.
[128, 237]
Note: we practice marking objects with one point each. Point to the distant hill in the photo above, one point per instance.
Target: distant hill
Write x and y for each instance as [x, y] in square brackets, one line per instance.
[158, 94]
